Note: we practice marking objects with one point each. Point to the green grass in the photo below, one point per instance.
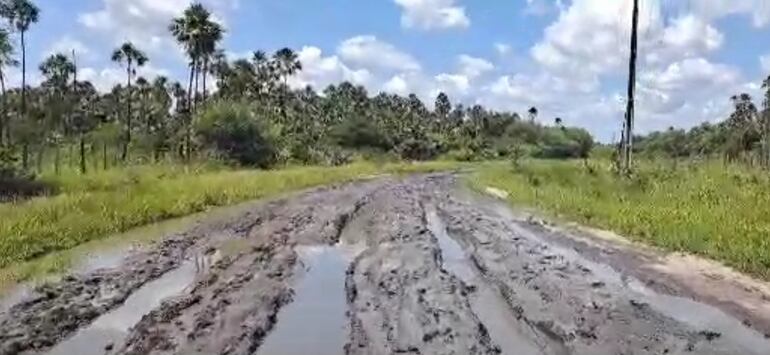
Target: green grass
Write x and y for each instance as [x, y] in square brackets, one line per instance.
[96, 206]
[709, 209]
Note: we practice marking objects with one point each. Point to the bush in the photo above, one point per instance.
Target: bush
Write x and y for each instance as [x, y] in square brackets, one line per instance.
[234, 131]
[15, 184]
[417, 149]
[360, 134]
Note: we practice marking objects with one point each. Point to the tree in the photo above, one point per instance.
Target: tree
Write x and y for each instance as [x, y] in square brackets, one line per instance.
[21, 14]
[58, 70]
[532, 114]
[132, 57]
[286, 64]
[198, 34]
[6, 60]
[558, 122]
[443, 108]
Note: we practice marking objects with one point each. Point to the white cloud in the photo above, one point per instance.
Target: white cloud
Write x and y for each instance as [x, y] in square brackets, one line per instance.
[397, 85]
[759, 10]
[319, 71]
[144, 22]
[473, 67]
[370, 52]
[104, 79]
[66, 45]
[502, 48]
[765, 63]
[432, 14]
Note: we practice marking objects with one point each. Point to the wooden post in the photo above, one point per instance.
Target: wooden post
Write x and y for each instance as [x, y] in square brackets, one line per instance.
[628, 128]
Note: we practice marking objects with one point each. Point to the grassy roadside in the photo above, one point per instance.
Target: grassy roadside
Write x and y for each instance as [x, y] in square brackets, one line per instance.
[94, 207]
[709, 209]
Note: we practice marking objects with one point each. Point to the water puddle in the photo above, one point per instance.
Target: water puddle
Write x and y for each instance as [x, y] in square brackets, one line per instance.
[315, 322]
[110, 329]
[699, 316]
[488, 305]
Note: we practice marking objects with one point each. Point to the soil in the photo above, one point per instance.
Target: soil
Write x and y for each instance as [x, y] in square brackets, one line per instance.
[413, 265]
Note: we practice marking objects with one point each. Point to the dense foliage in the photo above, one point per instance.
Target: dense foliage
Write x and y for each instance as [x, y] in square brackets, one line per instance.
[709, 209]
[743, 136]
[244, 111]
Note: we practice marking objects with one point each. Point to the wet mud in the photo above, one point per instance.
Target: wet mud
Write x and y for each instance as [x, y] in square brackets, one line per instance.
[387, 266]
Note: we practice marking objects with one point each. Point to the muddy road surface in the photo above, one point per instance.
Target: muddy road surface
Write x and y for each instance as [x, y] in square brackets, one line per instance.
[417, 265]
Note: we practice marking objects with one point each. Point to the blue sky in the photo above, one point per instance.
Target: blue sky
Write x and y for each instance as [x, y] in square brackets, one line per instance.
[566, 57]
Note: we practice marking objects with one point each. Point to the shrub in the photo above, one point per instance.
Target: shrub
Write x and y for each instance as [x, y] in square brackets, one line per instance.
[15, 184]
[235, 132]
[417, 149]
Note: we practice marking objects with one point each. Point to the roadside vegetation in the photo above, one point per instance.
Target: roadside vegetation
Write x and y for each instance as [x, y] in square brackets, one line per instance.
[108, 203]
[77, 163]
[707, 208]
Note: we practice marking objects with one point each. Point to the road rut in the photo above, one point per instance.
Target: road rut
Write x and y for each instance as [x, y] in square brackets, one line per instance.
[413, 265]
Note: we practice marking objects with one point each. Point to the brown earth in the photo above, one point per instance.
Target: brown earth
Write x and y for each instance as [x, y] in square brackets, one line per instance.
[402, 266]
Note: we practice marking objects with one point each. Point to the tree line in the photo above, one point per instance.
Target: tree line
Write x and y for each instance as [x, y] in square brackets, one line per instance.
[242, 111]
[743, 136]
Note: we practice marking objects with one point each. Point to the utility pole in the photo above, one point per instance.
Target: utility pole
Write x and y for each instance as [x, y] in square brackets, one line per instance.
[628, 126]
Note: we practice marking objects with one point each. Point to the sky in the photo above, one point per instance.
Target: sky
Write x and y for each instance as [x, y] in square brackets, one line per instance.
[568, 58]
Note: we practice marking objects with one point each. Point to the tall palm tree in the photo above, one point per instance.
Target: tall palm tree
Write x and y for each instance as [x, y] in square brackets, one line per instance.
[198, 34]
[532, 114]
[6, 60]
[58, 70]
[287, 64]
[21, 14]
[133, 58]
[212, 35]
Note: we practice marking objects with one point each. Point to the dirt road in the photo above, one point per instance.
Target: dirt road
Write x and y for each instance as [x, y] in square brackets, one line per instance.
[391, 266]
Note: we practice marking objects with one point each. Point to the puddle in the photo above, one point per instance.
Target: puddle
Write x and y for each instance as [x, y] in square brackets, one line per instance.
[488, 305]
[111, 328]
[699, 316]
[315, 322]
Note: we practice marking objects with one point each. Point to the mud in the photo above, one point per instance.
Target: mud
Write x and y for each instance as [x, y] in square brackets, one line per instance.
[388, 266]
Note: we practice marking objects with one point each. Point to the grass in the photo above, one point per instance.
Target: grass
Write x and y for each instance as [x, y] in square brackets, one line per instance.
[710, 209]
[96, 206]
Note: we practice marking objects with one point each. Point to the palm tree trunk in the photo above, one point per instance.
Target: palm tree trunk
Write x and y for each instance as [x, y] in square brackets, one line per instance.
[197, 83]
[188, 121]
[82, 154]
[25, 156]
[57, 160]
[23, 76]
[127, 142]
[40, 153]
[5, 135]
[205, 75]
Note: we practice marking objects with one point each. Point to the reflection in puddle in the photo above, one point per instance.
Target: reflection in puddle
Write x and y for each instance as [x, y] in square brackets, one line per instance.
[111, 328]
[315, 322]
[486, 303]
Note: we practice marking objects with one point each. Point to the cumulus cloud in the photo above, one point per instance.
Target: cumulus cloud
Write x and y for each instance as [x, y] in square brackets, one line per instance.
[587, 45]
[764, 61]
[502, 48]
[319, 71]
[66, 45]
[368, 51]
[432, 14]
[104, 79]
[144, 22]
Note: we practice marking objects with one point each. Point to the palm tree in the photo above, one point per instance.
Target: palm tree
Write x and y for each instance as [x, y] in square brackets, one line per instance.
[58, 70]
[287, 64]
[212, 34]
[6, 60]
[21, 14]
[198, 34]
[133, 58]
[532, 113]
